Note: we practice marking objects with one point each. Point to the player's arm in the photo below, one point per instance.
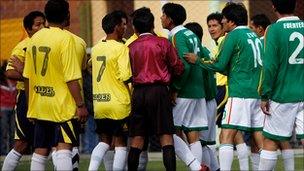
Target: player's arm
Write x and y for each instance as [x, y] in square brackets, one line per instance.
[15, 67]
[218, 63]
[269, 69]
[72, 73]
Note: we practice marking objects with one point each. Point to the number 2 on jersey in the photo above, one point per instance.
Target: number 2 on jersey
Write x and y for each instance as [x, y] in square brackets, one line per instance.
[293, 57]
[46, 50]
[102, 67]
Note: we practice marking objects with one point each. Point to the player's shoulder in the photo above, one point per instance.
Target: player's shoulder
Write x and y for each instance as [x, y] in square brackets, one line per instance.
[77, 38]
[23, 43]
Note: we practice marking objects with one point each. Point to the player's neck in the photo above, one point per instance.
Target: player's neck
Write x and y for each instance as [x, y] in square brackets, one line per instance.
[113, 36]
[56, 25]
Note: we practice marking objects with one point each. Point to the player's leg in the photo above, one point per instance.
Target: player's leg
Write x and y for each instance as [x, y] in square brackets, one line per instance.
[235, 118]
[287, 155]
[104, 129]
[44, 137]
[120, 142]
[277, 128]
[68, 137]
[242, 151]
[143, 158]
[23, 133]
[136, 146]
[169, 159]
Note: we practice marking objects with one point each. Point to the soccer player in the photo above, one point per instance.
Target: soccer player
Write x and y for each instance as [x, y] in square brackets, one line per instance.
[52, 72]
[217, 33]
[258, 24]
[207, 137]
[32, 23]
[239, 58]
[188, 93]
[282, 83]
[111, 72]
[81, 57]
[152, 70]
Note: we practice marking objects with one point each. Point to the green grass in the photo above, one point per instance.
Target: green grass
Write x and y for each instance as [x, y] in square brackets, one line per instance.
[158, 165]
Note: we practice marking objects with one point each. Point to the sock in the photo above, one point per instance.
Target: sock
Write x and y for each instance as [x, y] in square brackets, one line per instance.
[11, 160]
[143, 161]
[38, 162]
[75, 158]
[169, 158]
[97, 155]
[63, 160]
[183, 152]
[196, 149]
[133, 158]
[268, 160]
[255, 159]
[288, 158]
[205, 156]
[53, 155]
[242, 151]
[120, 158]
[108, 160]
[226, 156]
[214, 164]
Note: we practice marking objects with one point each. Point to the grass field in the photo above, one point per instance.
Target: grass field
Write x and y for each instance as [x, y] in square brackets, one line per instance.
[158, 165]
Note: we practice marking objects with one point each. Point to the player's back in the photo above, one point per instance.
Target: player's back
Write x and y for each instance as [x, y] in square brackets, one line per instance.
[50, 64]
[110, 69]
[192, 81]
[244, 47]
[285, 46]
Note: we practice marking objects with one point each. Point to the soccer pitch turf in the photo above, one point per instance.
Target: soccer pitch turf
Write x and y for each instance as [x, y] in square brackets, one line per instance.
[156, 164]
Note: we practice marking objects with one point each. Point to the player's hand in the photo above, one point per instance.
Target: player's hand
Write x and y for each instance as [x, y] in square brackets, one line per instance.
[265, 107]
[82, 114]
[17, 64]
[190, 57]
[173, 97]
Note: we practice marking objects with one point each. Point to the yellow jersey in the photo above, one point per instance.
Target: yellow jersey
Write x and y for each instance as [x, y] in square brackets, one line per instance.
[221, 79]
[19, 51]
[110, 69]
[50, 63]
[81, 54]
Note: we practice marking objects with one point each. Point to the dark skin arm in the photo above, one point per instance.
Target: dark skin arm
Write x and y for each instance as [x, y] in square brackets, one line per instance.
[81, 110]
[16, 73]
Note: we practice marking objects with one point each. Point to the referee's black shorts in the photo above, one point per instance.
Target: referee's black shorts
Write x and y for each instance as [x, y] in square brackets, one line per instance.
[151, 112]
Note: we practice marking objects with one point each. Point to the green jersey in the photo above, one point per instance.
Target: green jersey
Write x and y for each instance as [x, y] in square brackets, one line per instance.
[240, 59]
[283, 62]
[210, 83]
[191, 83]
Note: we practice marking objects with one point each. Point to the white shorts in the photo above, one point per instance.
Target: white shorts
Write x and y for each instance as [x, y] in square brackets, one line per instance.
[282, 119]
[208, 136]
[190, 114]
[243, 114]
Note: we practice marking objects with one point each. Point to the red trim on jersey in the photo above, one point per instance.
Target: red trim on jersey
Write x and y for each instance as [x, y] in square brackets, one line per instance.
[230, 111]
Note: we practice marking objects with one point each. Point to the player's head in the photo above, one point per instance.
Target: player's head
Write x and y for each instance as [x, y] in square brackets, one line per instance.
[173, 15]
[57, 11]
[196, 29]
[33, 22]
[234, 14]
[215, 26]
[115, 21]
[284, 6]
[143, 20]
[259, 23]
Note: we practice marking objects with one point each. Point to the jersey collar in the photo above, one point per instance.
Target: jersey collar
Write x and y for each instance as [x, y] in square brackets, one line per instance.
[290, 18]
[241, 27]
[175, 30]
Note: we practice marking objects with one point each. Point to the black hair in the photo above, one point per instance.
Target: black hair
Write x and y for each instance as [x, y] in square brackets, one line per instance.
[112, 19]
[28, 20]
[284, 6]
[196, 29]
[261, 20]
[57, 11]
[215, 16]
[236, 12]
[176, 12]
[143, 20]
